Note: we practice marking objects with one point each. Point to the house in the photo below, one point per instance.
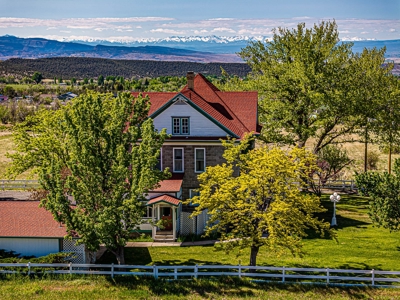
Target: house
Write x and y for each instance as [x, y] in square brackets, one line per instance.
[30, 230]
[67, 96]
[197, 117]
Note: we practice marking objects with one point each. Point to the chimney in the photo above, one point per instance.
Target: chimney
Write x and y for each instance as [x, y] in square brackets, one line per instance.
[190, 79]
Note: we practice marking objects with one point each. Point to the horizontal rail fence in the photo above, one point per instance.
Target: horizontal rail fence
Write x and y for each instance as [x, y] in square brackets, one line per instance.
[29, 184]
[273, 274]
[340, 184]
[18, 184]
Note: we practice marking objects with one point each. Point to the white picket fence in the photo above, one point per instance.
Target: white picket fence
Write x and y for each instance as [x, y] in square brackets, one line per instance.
[273, 274]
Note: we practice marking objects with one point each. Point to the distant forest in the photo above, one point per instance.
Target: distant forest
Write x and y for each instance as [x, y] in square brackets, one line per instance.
[81, 67]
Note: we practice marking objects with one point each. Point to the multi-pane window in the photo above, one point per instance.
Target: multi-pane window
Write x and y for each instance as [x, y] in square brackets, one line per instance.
[199, 160]
[178, 160]
[180, 125]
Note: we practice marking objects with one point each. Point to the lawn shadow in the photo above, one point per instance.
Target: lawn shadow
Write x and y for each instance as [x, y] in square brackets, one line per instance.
[133, 256]
[234, 287]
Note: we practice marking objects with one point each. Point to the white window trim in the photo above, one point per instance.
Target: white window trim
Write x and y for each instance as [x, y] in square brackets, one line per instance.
[180, 126]
[161, 162]
[195, 160]
[183, 160]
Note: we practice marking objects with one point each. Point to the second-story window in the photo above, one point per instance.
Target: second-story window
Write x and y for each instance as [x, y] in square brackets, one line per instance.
[199, 160]
[178, 160]
[180, 125]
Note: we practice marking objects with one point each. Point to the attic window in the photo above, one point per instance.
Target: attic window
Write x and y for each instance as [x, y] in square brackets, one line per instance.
[180, 125]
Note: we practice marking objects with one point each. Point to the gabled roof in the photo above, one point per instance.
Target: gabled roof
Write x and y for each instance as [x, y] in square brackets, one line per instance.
[164, 198]
[171, 185]
[236, 112]
[27, 219]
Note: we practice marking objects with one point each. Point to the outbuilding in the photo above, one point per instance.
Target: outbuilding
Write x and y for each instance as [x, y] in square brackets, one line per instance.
[30, 230]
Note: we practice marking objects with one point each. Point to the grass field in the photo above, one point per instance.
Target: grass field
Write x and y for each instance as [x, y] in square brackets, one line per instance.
[97, 287]
[7, 146]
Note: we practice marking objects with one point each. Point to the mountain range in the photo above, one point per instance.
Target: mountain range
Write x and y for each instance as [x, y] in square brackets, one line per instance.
[227, 44]
[14, 47]
[201, 49]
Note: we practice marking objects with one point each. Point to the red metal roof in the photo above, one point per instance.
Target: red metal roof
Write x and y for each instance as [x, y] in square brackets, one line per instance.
[236, 111]
[171, 185]
[165, 198]
[27, 219]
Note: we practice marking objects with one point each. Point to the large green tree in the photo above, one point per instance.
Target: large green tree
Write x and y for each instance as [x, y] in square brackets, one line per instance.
[37, 77]
[307, 84]
[263, 205]
[386, 124]
[100, 150]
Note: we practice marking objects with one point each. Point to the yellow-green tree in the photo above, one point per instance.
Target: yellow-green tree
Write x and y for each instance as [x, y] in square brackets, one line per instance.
[262, 205]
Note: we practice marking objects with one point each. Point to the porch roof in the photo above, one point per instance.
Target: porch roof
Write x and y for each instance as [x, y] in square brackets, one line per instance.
[170, 185]
[165, 198]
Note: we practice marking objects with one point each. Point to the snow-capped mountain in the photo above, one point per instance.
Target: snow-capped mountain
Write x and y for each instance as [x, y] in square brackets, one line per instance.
[225, 44]
[212, 43]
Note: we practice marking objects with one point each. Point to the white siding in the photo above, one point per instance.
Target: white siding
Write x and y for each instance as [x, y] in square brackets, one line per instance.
[30, 246]
[199, 124]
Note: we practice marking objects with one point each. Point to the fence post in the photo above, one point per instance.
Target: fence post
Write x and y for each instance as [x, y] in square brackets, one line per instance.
[240, 271]
[373, 277]
[352, 184]
[29, 268]
[195, 271]
[155, 272]
[112, 270]
[283, 274]
[327, 275]
[176, 273]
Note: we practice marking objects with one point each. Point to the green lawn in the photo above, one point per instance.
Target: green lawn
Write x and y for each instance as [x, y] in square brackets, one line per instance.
[101, 287]
[359, 245]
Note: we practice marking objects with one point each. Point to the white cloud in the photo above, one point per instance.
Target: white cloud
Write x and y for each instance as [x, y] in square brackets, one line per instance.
[221, 19]
[169, 31]
[392, 30]
[200, 31]
[223, 29]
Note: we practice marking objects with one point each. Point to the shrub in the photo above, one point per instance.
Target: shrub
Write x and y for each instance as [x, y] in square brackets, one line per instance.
[372, 160]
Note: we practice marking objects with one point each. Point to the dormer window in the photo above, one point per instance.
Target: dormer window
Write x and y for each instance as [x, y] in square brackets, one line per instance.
[180, 125]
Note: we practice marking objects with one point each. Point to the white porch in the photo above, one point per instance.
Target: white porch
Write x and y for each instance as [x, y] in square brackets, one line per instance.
[165, 212]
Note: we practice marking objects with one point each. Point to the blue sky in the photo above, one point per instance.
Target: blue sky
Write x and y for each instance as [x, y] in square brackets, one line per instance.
[133, 20]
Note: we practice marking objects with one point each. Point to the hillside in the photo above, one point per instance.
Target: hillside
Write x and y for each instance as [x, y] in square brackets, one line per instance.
[80, 67]
[12, 47]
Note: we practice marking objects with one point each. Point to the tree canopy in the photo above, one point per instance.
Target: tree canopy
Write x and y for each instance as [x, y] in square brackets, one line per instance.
[312, 86]
[100, 150]
[384, 190]
[261, 206]
[37, 77]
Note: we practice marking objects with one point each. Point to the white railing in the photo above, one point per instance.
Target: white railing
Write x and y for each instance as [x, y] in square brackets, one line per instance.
[29, 184]
[277, 274]
[18, 184]
[340, 184]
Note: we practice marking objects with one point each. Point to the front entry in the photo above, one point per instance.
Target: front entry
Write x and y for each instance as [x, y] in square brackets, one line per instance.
[166, 216]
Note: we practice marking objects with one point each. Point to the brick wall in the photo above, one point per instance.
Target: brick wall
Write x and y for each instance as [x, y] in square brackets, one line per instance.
[213, 157]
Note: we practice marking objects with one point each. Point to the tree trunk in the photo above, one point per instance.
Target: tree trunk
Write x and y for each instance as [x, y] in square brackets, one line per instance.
[253, 257]
[390, 159]
[366, 150]
[120, 255]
